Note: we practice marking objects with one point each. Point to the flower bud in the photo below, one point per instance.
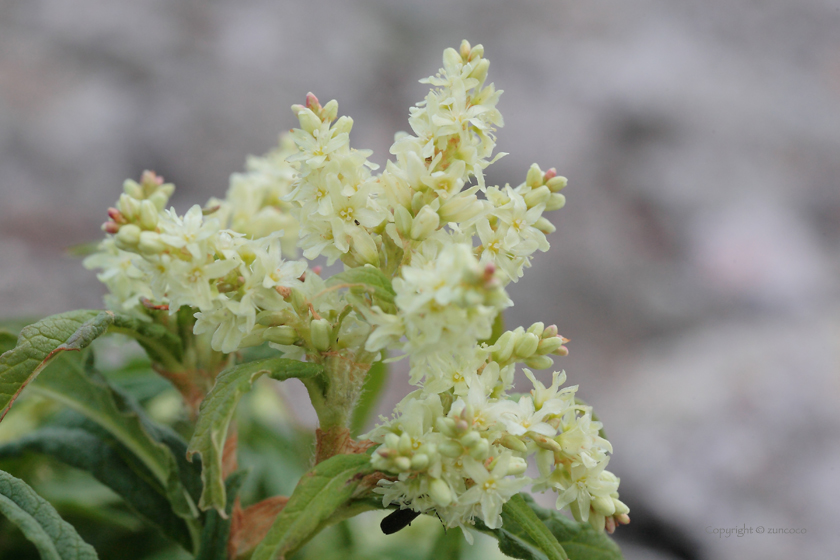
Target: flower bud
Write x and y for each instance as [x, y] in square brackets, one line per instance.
[526, 345]
[403, 220]
[537, 196]
[620, 507]
[128, 236]
[544, 442]
[129, 207]
[549, 345]
[446, 426]
[419, 462]
[513, 443]
[476, 52]
[481, 450]
[133, 189]
[148, 215]
[517, 466]
[465, 49]
[342, 125]
[460, 208]
[451, 58]
[402, 463]
[439, 492]
[404, 446]
[392, 440]
[321, 332]
[556, 184]
[274, 318]
[284, 335]
[425, 223]
[480, 70]
[550, 331]
[544, 226]
[159, 199]
[539, 362]
[299, 302]
[364, 247]
[150, 243]
[603, 505]
[309, 121]
[555, 202]
[330, 111]
[535, 176]
[451, 449]
[470, 439]
[537, 328]
[503, 349]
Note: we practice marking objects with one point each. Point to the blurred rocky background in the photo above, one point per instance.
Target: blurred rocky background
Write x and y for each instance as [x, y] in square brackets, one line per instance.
[694, 268]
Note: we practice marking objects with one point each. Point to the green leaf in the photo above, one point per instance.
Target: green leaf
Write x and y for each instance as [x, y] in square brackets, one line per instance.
[372, 389]
[107, 462]
[7, 341]
[214, 538]
[54, 538]
[367, 279]
[216, 413]
[72, 382]
[448, 545]
[41, 342]
[520, 534]
[319, 493]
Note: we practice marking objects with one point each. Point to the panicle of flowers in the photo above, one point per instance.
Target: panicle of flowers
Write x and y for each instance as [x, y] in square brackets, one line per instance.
[442, 246]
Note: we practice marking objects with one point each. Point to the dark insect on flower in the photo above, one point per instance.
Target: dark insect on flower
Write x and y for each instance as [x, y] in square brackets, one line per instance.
[398, 520]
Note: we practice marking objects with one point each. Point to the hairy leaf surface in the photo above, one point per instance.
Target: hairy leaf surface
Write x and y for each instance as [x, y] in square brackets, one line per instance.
[72, 382]
[108, 462]
[520, 534]
[372, 390]
[43, 341]
[214, 538]
[54, 538]
[217, 411]
[320, 492]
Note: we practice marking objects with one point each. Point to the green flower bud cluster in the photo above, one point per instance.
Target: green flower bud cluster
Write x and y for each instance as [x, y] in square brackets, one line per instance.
[531, 346]
[136, 216]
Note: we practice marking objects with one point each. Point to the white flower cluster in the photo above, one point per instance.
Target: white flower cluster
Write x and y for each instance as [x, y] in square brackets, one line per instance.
[159, 259]
[447, 243]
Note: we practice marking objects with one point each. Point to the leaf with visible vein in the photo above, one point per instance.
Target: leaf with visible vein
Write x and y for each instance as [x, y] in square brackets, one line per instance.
[41, 342]
[372, 390]
[214, 538]
[54, 538]
[72, 382]
[106, 461]
[319, 493]
[217, 411]
[516, 535]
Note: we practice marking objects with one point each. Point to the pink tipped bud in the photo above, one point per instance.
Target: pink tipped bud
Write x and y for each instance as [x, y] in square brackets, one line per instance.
[550, 174]
[317, 269]
[110, 227]
[312, 102]
[550, 330]
[116, 215]
[150, 177]
[623, 518]
[609, 525]
[489, 272]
